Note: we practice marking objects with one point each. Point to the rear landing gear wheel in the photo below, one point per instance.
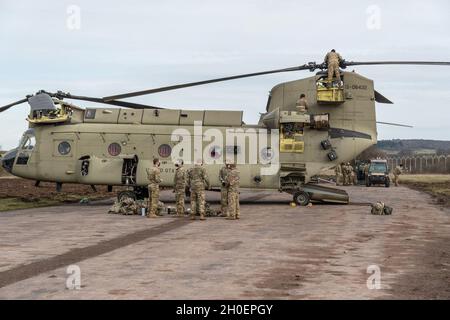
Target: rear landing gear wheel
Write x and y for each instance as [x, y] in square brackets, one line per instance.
[126, 194]
[301, 198]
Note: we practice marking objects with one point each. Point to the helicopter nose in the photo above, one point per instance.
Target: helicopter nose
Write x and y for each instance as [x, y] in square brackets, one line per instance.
[8, 160]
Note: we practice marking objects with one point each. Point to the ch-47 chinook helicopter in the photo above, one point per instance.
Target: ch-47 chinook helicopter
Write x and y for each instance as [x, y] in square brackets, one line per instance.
[114, 146]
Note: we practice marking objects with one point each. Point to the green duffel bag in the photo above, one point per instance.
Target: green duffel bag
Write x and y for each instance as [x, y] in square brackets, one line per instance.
[387, 210]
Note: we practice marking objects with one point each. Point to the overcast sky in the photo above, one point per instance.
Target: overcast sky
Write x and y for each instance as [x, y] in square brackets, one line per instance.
[112, 47]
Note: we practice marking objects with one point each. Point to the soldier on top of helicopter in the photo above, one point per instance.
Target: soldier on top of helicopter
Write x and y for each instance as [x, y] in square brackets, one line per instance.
[333, 59]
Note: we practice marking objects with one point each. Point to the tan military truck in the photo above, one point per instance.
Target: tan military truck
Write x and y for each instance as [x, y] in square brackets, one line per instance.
[378, 173]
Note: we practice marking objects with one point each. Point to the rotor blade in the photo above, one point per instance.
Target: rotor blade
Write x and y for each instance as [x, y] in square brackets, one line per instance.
[395, 124]
[125, 104]
[4, 108]
[422, 63]
[311, 66]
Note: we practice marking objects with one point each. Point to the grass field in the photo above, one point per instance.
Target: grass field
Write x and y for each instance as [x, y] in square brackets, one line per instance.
[425, 178]
[437, 185]
[7, 204]
[2, 172]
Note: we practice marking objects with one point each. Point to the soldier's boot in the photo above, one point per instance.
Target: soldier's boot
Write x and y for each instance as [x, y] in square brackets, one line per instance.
[180, 212]
[152, 215]
[231, 217]
[222, 212]
[202, 217]
[192, 217]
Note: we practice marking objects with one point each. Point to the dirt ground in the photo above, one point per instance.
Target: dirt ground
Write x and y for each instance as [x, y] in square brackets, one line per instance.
[273, 251]
[16, 193]
[11, 187]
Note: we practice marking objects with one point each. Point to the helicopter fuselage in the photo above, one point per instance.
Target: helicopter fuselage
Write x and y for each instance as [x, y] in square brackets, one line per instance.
[112, 146]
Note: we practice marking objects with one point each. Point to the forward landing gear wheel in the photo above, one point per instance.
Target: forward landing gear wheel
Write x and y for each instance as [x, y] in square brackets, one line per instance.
[301, 198]
[126, 194]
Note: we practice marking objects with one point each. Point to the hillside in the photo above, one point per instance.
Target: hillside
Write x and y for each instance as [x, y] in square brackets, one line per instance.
[414, 146]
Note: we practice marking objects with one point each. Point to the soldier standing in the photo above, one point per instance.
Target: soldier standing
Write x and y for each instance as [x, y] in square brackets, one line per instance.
[154, 177]
[366, 171]
[223, 188]
[179, 184]
[354, 176]
[344, 173]
[397, 171]
[332, 59]
[338, 172]
[233, 193]
[198, 182]
[350, 174]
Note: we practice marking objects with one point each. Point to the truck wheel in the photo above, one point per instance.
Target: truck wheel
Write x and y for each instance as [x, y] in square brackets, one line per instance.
[126, 194]
[368, 184]
[301, 198]
[387, 184]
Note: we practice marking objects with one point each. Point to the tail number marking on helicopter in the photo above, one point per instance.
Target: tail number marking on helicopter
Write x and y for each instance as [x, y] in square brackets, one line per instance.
[356, 87]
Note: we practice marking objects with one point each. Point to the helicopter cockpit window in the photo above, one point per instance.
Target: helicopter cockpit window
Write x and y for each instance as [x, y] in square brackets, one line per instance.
[28, 143]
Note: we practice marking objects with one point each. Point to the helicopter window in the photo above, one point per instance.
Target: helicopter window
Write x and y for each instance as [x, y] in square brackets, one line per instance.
[28, 143]
[233, 149]
[22, 158]
[90, 114]
[215, 152]
[64, 148]
[114, 149]
[267, 154]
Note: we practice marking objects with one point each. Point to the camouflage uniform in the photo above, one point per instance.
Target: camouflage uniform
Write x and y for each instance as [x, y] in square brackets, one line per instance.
[378, 209]
[381, 209]
[332, 59]
[397, 172]
[366, 172]
[346, 173]
[339, 176]
[353, 176]
[302, 105]
[198, 181]
[179, 183]
[126, 206]
[223, 188]
[154, 177]
[233, 194]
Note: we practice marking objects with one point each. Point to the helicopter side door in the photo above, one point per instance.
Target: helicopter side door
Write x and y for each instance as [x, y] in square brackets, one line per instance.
[63, 158]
